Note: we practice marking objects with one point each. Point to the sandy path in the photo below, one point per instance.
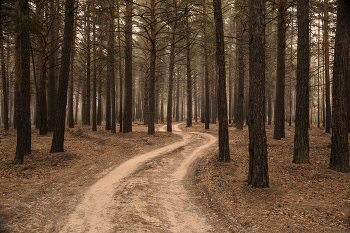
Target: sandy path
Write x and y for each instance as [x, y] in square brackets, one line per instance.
[146, 193]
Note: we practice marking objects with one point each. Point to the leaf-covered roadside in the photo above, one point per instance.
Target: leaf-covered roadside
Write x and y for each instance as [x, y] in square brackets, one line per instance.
[301, 198]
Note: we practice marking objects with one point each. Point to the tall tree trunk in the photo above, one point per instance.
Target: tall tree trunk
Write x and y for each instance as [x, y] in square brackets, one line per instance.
[94, 73]
[4, 74]
[22, 38]
[240, 52]
[171, 68]
[99, 96]
[71, 85]
[58, 136]
[258, 175]
[326, 58]
[291, 70]
[88, 69]
[224, 151]
[339, 160]
[152, 68]
[206, 67]
[188, 67]
[301, 137]
[51, 100]
[177, 116]
[120, 72]
[127, 120]
[108, 79]
[41, 75]
[110, 64]
[281, 72]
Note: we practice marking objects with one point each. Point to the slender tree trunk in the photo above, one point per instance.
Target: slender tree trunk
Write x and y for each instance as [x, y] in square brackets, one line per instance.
[291, 70]
[110, 64]
[120, 72]
[171, 68]
[88, 70]
[281, 71]
[188, 67]
[318, 77]
[240, 94]
[258, 175]
[301, 137]
[58, 136]
[99, 96]
[128, 106]
[177, 116]
[206, 67]
[339, 160]
[51, 100]
[4, 74]
[71, 85]
[94, 73]
[224, 151]
[23, 84]
[326, 58]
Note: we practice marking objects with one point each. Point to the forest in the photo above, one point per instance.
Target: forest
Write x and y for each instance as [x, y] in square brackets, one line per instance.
[261, 68]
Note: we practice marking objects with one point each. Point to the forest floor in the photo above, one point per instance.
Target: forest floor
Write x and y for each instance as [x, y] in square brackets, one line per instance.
[301, 198]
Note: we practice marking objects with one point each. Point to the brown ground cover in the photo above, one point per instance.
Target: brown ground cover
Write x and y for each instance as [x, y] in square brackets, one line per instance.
[301, 198]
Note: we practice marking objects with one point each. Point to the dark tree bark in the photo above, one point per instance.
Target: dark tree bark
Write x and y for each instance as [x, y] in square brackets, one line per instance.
[281, 71]
[301, 137]
[152, 75]
[258, 175]
[171, 69]
[3, 74]
[206, 67]
[188, 69]
[23, 84]
[99, 96]
[224, 151]
[240, 54]
[71, 121]
[291, 70]
[58, 136]
[88, 70]
[339, 160]
[128, 102]
[52, 93]
[120, 73]
[326, 58]
[110, 64]
[41, 75]
[94, 73]
[108, 79]
[177, 115]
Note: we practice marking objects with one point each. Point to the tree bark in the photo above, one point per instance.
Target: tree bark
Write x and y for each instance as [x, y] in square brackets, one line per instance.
[258, 176]
[23, 84]
[127, 120]
[4, 74]
[94, 73]
[206, 67]
[224, 151]
[52, 93]
[188, 69]
[171, 68]
[110, 64]
[240, 52]
[301, 137]
[339, 160]
[120, 72]
[326, 58]
[281, 72]
[58, 136]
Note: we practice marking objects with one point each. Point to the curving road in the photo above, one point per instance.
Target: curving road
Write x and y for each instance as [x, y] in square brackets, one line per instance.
[146, 193]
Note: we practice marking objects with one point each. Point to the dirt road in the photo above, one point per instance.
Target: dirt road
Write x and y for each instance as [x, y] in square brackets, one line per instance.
[146, 193]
